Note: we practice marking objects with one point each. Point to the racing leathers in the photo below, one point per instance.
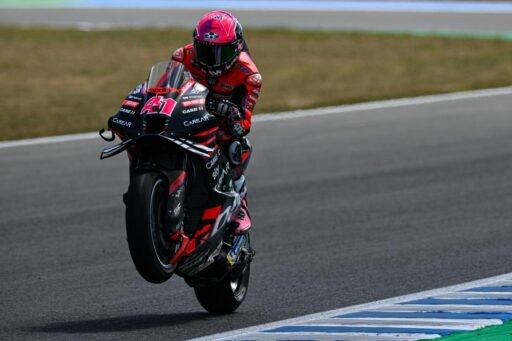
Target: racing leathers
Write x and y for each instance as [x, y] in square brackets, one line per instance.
[233, 96]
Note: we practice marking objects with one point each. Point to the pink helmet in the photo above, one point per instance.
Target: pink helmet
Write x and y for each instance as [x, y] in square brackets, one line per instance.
[218, 41]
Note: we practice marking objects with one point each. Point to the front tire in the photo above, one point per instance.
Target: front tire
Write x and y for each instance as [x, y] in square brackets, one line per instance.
[147, 236]
[227, 295]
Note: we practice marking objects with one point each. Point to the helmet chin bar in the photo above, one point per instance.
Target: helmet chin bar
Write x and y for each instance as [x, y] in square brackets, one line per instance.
[217, 71]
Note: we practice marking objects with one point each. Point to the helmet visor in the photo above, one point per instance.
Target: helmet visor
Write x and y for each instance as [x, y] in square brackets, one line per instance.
[214, 55]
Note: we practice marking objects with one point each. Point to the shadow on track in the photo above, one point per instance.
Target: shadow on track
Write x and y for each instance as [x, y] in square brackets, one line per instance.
[119, 324]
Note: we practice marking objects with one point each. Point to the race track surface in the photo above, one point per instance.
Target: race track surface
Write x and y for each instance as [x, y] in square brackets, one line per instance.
[347, 209]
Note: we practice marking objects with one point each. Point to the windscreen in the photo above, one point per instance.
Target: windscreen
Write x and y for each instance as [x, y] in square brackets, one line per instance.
[167, 76]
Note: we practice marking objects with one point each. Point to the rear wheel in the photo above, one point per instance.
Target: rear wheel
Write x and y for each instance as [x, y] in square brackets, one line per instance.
[148, 238]
[227, 295]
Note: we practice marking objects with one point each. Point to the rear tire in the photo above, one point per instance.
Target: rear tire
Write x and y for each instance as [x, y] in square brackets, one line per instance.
[147, 236]
[225, 296]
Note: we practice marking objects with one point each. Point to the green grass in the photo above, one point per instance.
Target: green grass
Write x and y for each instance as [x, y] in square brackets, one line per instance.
[57, 81]
[501, 332]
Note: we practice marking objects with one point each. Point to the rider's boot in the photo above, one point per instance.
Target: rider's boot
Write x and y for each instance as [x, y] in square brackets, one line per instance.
[241, 220]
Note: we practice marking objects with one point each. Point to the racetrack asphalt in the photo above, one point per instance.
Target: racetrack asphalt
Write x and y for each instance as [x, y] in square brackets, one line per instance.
[87, 18]
[347, 209]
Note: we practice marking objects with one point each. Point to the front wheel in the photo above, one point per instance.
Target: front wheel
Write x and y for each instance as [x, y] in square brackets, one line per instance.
[227, 295]
[148, 239]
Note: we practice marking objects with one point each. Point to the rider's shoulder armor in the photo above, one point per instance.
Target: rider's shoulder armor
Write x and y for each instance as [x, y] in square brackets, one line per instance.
[179, 55]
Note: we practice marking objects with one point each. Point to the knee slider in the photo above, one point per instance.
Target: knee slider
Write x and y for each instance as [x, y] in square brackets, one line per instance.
[235, 152]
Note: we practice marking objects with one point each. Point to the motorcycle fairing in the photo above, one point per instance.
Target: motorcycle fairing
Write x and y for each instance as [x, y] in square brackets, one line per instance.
[220, 172]
[176, 113]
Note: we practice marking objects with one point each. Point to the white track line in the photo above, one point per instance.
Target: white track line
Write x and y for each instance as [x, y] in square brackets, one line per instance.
[476, 295]
[406, 322]
[387, 303]
[334, 110]
[392, 103]
[47, 140]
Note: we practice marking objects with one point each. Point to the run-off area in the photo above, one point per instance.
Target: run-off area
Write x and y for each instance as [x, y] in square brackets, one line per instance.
[452, 311]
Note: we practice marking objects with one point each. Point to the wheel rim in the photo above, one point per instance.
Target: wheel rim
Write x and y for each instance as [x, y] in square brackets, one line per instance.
[235, 284]
[239, 284]
[162, 246]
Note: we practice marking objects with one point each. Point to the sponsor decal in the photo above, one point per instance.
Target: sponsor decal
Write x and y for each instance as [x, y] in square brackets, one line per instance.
[252, 98]
[225, 171]
[237, 128]
[199, 101]
[122, 122]
[191, 97]
[254, 79]
[129, 103]
[213, 75]
[216, 172]
[197, 121]
[188, 111]
[210, 36]
[137, 98]
[243, 69]
[226, 86]
[159, 105]
[126, 111]
[177, 209]
[212, 161]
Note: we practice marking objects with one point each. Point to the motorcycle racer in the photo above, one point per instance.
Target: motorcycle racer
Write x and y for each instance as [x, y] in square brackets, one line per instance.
[219, 59]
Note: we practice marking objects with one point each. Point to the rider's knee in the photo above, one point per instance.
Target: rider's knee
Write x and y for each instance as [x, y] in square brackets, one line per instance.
[239, 154]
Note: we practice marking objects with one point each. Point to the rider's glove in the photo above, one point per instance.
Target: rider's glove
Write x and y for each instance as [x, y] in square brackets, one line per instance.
[223, 108]
[230, 111]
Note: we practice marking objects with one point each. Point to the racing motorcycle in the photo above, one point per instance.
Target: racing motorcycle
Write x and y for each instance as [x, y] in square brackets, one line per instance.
[180, 197]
